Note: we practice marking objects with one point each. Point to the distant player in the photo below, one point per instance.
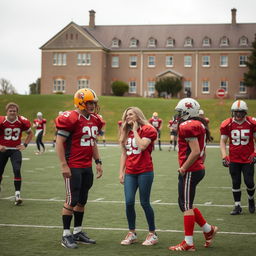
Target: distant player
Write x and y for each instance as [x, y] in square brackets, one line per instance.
[11, 127]
[157, 123]
[76, 147]
[102, 130]
[240, 131]
[173, 126]
[193, 135]
[40, 124]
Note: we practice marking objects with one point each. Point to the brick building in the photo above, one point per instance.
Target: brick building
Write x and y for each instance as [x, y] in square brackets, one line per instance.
[205, 56]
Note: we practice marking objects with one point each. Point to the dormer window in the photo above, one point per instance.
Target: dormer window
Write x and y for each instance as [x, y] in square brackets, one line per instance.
[170, 42]
[188, 42]
[206, 42]
[152, 42]
[134, 42]
[243, 41]
[224, 41]
[115, 43]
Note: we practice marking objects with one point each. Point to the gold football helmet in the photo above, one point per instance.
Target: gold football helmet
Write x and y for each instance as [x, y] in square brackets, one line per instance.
[83, 96]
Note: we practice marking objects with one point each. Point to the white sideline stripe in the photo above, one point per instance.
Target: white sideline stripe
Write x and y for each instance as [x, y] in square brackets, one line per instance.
[100, 200]
[157, 201]
[123, 229]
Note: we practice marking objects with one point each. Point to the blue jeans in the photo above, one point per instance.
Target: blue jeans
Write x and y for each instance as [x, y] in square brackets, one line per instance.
[132, 182]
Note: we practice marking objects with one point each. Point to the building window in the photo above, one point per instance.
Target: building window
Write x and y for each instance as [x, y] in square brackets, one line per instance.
[151, 88]
[115, 62]
[170, 42]
[242, 87]
[151, 61]
[115, 43]
[224, 41]
[223, 60]
[187, 61]
[133, 43]
[242, 60]
[82, 83]
[188, 42]
[84, 59]
[59, 85]
[206, 61]
[60, 59]
[224, 85]
[132, 87]
[243, 41]
[133, 61]
[206, 42]
[187, 85]
[206, 86]
[169, 61]
[152, 42]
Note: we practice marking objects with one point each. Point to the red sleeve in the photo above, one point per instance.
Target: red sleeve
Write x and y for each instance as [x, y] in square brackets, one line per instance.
[252, 120]
[150, 120]
[25, 123]
[191, 129]
[160, 122]
[149, 132]
[66, 121]
[224, 127]
[44, 121]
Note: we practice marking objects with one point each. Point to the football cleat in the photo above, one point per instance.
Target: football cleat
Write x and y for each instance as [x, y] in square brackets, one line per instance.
[18, 200]
[151, 239]
[130, 238]
[237, 210]
[183, 246]
[209, 236]
[68, 242]
[81, 237]
[251, 205]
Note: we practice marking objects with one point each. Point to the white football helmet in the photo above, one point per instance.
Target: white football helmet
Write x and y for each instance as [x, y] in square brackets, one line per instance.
[239, 105]
[187, 108]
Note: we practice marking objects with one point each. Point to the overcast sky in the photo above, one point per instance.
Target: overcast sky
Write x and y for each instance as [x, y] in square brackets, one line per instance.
[25, 25]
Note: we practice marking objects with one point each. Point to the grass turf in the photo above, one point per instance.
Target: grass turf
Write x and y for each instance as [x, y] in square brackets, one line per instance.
[105, 219]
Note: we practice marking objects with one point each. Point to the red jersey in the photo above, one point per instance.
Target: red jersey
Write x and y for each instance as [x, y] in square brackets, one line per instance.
[81, 133]
[10, 132]
[190, 130]
[241, 138]
[156, 122]
[173, 124]
[138, 161]
[39, 123]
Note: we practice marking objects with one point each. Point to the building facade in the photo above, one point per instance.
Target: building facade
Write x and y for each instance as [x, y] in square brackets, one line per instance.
[205, 57]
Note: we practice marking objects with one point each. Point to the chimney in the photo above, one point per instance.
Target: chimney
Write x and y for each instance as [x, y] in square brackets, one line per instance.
[233, 12]
[92, 19]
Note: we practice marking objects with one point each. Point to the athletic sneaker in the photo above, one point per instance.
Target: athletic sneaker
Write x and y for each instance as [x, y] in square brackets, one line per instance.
[209, 236]
[151, 239]
[81, 237]
[68, 242]
[18, 200]
[237, 210]
[183, 246]
[251, 205]
[130, 239]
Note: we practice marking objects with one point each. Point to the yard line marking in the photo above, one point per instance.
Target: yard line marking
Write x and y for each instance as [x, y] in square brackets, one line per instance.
[25, 158]
[8, 198]
[124, 229]
[157, 201]
[100, 200]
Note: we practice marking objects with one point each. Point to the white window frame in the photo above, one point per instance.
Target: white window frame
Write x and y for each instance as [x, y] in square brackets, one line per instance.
[132, 87]
[224, 41]
[151, 87]
[205, 85]
[84, 59]
[242, 60]
[170, 42]
[206, 42]
[187, 84]
[152, 42]
[115, 43]
[151, 61]
[242, 87]
[223, 60]
[134, 43]
[224, 85]
[188, 61]
[59, 85]
[188, 42]
[83, 83]
[133, 61]
[115, 62]
[206, 61]
[243, 41]
[59, 59]
[169, 61]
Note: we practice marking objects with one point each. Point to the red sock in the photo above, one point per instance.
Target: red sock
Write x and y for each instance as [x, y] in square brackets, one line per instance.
[189, 223]
[199, 219]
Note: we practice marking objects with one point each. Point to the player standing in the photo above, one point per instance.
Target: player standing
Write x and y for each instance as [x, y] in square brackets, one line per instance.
[136, 170]
[193, 134]
[240, 131]
[157, 123]
[173, 126]
[76, 147]
[40, 124]
[11, 127]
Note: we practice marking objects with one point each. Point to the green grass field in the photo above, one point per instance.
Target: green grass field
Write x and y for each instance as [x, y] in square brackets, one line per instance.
[34, 228]
[113, 107]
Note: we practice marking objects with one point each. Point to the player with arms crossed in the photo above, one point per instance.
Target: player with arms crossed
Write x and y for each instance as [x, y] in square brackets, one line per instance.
[240, 131]
[157, 123]
[193, 134]
[76, 147]
[11, 127]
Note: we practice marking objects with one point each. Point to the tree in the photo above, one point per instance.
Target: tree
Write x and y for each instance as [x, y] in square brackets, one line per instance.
[250, 76]
[119, 88]
[169, 85]
[6, 87]
[35, 88]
